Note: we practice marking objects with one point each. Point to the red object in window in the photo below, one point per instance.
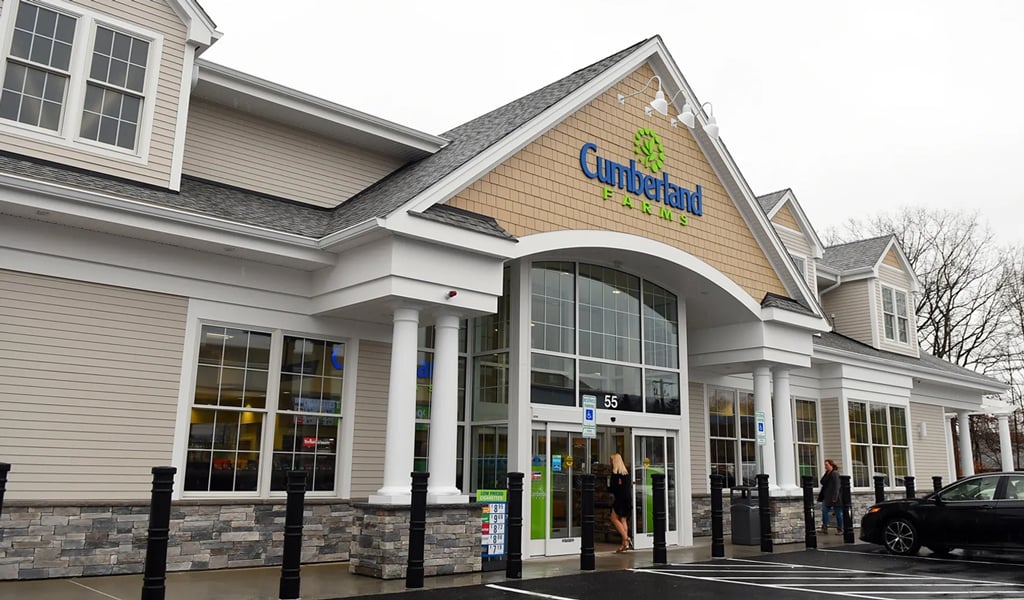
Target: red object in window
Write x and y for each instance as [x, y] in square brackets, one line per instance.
[309, 442]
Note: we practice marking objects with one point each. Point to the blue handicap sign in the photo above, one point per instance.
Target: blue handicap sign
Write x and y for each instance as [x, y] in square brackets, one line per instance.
[588, 414]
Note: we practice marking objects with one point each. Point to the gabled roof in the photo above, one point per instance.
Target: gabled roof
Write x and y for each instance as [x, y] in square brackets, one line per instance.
[855, 256]
[772, 203]
[467, 141]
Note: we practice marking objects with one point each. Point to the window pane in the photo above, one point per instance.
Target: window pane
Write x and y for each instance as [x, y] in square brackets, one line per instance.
[308, 444]
[748, 425]
[662, 392]
[617, 387]
[492, 331]
[553, 380]
[553, 297]
[722, 413]
[614, 300]
[661, 327]
[490, 387]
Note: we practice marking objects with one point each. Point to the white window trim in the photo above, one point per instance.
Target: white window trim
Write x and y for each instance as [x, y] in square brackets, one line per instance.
[69, 134]
[890, 446]
[895, 315]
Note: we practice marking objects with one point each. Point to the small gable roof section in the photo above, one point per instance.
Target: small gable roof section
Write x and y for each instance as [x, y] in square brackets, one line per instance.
[863, 258]
[783, 209]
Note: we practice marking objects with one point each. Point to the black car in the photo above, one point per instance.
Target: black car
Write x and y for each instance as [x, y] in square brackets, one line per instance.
[978, 512]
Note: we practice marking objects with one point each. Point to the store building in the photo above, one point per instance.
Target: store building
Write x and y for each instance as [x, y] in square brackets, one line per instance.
[207, 270]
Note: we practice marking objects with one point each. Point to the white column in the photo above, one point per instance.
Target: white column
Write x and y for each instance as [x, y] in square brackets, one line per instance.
[763, 403]
[782, 407]
[963, 419]
[400, 431]
[1006, 451]
[444, 414]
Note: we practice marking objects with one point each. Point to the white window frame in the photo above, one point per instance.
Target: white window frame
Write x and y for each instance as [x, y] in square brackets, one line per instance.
[900, 324]
[889, 444]
[798, 443]
[68, 135]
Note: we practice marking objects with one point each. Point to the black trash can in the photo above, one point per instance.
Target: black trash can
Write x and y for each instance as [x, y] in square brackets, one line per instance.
[743, 512]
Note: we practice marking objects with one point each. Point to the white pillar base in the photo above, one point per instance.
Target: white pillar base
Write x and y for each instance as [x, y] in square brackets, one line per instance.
[441, 497]
[396, 498]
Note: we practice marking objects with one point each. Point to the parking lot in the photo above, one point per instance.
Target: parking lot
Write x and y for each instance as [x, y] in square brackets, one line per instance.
[860, 571]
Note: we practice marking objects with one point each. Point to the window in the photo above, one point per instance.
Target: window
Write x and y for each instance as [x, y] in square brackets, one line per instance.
[878, 443]
[234, 406]
[603, 332]
[982, 488]
[894, 309]
[807, 444]
[731, 429]
[54, 83]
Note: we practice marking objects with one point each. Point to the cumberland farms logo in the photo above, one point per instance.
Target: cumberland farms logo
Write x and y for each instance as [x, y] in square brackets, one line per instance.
[640, 190]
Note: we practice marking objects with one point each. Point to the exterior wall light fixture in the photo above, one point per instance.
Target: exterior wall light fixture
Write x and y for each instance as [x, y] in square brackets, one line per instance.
[690, 120]
[658, 104]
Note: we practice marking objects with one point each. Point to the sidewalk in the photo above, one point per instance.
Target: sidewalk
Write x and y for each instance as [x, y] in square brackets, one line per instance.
[332, 580]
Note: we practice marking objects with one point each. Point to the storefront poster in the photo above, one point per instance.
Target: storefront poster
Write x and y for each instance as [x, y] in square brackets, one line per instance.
[494, 522]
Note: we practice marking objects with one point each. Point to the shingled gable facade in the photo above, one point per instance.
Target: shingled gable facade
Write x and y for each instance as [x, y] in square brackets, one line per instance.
[207, 270]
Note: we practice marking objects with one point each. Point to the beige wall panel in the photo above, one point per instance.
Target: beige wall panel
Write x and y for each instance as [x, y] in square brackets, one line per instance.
[699, 481]
[930, 458]
[892, 260]
[786, 218]
[900, 282]
[154, 15]
[850, 303]
[111, 393]
[795, 242]
[832, 435]
[541, 188]
[371, 418]
[231, 147]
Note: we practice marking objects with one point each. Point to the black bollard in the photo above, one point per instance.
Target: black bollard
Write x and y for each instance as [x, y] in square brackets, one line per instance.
[936, 483]
[879, 488]
[587, 561]
[291, 562]
[155, 576]
[764, 512]
[4, 469]
[810, 529]
[717, 523]
[660, 551]
[908, 481]
[417, 530]
[514, 539]
[844, 486]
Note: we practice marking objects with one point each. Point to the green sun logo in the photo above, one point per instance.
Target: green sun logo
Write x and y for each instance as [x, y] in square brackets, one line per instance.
[647, 145]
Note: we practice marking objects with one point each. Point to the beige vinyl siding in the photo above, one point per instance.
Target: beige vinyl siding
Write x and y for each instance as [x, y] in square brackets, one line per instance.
[785, 217]
[900, 282]
[930, 456]
[850, 303]
[699, 481]
[892, 260]
[89, 379]
[152, 15]
[797, 245]
[832, 433]
[371, 418]
[238, 149]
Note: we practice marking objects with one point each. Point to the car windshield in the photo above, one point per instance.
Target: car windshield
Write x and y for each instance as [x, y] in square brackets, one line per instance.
[983, 488]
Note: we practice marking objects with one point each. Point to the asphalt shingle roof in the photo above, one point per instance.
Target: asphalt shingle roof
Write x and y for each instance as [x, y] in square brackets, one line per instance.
[841, 342]
[466, 220]
[768, 201]
[776, 301]
[855, 255]
[379, 200]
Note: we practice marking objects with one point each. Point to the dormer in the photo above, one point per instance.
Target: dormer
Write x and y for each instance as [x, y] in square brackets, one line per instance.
[793, 227]
[871, 296]
[100, 86]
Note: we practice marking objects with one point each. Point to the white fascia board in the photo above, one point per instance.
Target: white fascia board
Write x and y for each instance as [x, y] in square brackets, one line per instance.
[459, 179]
[200, 28]
[405, 291]
[317, 110]
[808, 322]
[424, 228]
[915, 283]
[980, 384]
[817, 248]
[31, 194]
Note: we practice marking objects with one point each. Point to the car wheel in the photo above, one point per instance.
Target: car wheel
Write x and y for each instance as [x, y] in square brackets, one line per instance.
[900, 537]
[939, 549]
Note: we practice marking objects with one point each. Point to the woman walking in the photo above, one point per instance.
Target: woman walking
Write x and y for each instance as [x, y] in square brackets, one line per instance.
[621, 487]
[829, 496]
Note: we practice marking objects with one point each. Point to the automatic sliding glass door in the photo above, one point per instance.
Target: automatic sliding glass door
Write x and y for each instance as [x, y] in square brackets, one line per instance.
[654, 452]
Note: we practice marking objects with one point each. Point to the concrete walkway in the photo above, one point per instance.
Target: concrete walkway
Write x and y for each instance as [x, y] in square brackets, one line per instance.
[332, 580]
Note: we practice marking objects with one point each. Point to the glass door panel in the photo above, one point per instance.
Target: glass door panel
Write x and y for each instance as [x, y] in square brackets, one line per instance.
[653, 453]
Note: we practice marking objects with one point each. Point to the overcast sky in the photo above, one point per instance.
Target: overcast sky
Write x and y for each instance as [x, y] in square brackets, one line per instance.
[859, 107]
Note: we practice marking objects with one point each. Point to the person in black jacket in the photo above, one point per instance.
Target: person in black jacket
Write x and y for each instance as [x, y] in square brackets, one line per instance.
[621, 487]
[829, 496]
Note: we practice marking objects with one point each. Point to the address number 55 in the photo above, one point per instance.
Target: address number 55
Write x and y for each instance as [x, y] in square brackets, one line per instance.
[611, 401]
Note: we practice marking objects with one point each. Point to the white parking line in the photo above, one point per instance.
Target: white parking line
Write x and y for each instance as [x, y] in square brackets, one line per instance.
[833, 581]
[527, 592]
[94, 590]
